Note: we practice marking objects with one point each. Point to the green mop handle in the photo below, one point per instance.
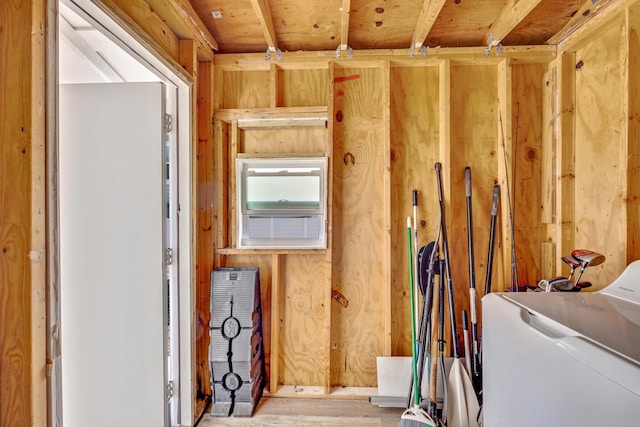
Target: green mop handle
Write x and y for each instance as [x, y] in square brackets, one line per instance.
[416, 397]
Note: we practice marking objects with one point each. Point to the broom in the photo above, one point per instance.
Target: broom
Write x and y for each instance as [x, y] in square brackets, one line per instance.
[414, 416]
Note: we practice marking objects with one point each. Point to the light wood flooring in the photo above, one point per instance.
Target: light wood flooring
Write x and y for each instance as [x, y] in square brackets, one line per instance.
[300, 412]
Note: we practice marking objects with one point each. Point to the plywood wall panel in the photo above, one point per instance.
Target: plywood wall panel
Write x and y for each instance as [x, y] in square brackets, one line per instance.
[526, 124]
[359, 229]
[600, 210]
[414, 150]
[302, 301]
[303, 88]
[245, 89]
[474, 142]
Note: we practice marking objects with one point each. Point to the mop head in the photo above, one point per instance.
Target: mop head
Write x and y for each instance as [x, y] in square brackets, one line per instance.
[416, 417]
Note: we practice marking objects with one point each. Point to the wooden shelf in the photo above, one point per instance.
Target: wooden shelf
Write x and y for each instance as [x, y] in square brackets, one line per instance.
[268, 251]
[279, 117]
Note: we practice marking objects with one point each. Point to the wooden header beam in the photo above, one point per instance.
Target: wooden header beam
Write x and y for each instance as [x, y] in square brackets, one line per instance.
[512, 14]
[183, 20]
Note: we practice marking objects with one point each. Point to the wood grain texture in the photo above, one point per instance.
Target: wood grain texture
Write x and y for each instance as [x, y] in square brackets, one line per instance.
[633, 135]
[302, 302]
[414, 150]
[378, 25]
[22, 214]
[283, 141]
[565, 164]
[140, 13]
[600, 210]
[205, 236]
[358, 231]
[474, 142]
[249, 89]
[300, 412]
[236, 15]
[527, 130]
[303, 88]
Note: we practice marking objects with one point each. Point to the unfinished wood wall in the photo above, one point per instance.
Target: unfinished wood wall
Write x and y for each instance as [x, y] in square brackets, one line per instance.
[597, 144]
[389, 120]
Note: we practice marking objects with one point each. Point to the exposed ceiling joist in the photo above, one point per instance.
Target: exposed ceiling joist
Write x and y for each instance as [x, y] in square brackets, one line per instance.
[185, 22]
[344, 24]
[428, 14]
[261, 9]
[587, 11]
[512, 14]
[101, 66]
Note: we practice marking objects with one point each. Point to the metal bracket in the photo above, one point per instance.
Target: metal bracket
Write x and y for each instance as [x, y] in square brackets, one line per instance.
[492, 43]
[423, 51]
[267, 55]
[339, 52]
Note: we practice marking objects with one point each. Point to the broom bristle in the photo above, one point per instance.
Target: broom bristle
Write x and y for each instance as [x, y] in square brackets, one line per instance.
[411, 423]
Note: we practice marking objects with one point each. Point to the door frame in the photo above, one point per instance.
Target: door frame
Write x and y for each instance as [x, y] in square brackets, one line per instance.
[170, 72]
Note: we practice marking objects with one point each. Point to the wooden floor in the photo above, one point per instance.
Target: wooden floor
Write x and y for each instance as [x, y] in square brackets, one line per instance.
[280, 411]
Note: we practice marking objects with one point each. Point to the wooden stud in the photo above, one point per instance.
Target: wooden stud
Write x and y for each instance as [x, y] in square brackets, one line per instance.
[565, 173]
[234, 149]
[204, 231]
[506, 174]
[221, 168]
[274, 99]
[511, 15]
[275, 322]
[187, 56]
[23, 229]
[549, 114]
[386, 303]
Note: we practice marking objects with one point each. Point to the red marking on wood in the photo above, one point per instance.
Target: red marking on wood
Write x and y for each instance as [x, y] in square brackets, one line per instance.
[345, 78]
[338, 93]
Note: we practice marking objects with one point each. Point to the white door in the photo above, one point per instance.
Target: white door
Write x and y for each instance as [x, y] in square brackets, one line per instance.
[113, 296]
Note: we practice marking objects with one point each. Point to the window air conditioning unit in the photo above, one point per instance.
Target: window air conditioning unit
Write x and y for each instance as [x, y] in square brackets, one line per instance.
[281, 202]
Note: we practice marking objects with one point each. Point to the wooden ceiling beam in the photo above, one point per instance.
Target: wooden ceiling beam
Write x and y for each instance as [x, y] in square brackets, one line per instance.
[183, 20]
[345, 11]
[586, 13]
[261, 8]
[511, 15]
[428, 15]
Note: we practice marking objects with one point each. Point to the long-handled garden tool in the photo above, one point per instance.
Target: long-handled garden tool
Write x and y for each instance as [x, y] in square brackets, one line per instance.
[475, 354]
[414, 416]
[462, 403]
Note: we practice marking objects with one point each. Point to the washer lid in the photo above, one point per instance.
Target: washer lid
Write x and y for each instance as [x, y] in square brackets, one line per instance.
[603, 319]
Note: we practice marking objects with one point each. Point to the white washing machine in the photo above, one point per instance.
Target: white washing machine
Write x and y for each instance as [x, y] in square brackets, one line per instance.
[565, 358]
